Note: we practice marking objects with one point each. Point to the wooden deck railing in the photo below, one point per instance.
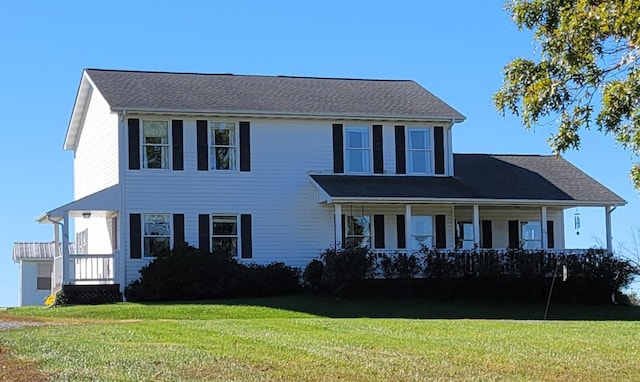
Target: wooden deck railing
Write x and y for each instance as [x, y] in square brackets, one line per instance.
[84, 269]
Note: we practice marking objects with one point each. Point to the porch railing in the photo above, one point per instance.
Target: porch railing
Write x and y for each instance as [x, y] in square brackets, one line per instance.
[84, 269]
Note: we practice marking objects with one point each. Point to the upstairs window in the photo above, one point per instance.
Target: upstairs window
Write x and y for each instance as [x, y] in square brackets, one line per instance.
[155, 144]
[225, 235]
[419, 151]
[358, 231]
[531, 234]
[357, 150]
[156, 234]
[223, 145]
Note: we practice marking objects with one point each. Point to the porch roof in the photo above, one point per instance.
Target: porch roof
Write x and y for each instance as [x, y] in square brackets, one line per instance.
[36, 250]
[483, 178]
[103, 200]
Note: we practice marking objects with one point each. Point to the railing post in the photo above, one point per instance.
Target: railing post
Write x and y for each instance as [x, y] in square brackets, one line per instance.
[337, 218]
[407, 229]
[65, 249]
[607, 216]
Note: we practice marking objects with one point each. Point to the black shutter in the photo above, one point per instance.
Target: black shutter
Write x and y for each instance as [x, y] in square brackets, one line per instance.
[202, 145]
[245, 236]
[487, 234]
[203, 233]
[177, 144]
[400, 230]
[378, 159]
[514, 234]
[338, 149]
[344, 230]
[441, 232]
[135, 236]
[245, 146]
[438, 137]
[134, 143]
[178, 230]
[401, 159]
[378, 231]
[550, 236]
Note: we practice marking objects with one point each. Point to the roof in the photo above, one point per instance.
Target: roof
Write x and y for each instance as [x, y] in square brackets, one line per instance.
[133, 90]
[36, 251]
[481, 177]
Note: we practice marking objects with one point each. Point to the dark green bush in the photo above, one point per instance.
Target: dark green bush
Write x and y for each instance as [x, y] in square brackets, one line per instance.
[399, 265]
[186, 273]
[312, 275]
[345, 269]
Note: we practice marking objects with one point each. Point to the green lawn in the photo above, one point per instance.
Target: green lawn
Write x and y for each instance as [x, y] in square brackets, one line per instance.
[322, 339]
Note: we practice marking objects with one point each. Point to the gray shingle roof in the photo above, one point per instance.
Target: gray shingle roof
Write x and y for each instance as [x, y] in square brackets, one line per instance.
[482, 176]
[190, 92]
[36, 251]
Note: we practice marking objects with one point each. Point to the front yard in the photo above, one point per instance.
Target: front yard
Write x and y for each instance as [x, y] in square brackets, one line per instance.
[324, 339]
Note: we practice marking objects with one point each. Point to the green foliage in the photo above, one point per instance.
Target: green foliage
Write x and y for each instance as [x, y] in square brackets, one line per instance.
[189, 274]
[312, 275]
[345, 269]
[399, 265]
[588, 73]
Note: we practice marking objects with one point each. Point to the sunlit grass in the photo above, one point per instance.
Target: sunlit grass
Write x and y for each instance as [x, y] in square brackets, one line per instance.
[258, 340]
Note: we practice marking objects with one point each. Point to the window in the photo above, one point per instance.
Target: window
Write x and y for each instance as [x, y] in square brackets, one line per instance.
[421, 232]
[43, 281]
[357, 149]
[358, 231]
[156, 234]
[225, 235]
[223, 145]
[419, 151]
[465, 236]
[82, 242]
[531, 234]
[155, 144]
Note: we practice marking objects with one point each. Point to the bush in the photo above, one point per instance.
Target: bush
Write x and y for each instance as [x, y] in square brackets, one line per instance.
[345, 269]
[312, 275]
[399, 265]
[186, 273]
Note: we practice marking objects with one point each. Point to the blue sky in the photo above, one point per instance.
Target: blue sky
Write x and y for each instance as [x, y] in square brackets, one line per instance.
[454, 49]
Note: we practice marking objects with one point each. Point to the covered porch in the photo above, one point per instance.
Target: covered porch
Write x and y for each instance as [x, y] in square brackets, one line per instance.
[94, 267]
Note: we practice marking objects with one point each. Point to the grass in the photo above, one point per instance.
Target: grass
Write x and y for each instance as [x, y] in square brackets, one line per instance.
[322, 339]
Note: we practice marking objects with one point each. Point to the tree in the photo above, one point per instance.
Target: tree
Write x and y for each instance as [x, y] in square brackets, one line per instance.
[587, 75]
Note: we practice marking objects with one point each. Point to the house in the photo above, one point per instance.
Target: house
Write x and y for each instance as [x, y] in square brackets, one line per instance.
[36, 267]
[274, 168]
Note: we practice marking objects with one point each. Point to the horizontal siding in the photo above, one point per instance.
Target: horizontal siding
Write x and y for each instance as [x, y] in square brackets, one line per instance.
[289, 224]
[96, 156]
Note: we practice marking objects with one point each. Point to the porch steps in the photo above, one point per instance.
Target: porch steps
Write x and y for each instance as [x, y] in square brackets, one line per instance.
[92, 294]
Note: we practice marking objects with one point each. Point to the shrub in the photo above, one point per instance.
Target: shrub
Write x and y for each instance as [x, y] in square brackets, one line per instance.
[186, 273]
[399, 265]
[345, 268]
[312, 275]
[268, 280]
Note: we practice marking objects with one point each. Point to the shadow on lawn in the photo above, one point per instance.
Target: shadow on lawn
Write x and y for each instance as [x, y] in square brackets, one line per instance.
[420, 308]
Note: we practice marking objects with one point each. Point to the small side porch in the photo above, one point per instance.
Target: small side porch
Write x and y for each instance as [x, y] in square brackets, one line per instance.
[91, 273]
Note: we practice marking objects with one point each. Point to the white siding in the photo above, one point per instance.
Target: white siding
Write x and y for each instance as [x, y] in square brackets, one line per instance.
[29, 293]
[288, 224]
[99, 233]
[96, 156]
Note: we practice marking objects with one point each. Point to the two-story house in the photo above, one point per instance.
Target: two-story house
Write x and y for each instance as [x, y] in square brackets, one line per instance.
[280, 168]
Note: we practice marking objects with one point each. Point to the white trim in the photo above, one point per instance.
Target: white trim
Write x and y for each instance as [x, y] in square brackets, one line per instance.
[543, 227]
[464, 201]
[265, 114]
[476, 225]
[238, 234]
[211, 145]
[430, 151]
[169, 145]
[337, 218]
[144, 235]
[369, 149]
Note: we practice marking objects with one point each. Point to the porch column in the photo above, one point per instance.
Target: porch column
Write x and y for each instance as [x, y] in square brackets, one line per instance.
[476, 226]
[543, 227]
[337, 219]
[407, 228]
[66, 278]
[607, 216]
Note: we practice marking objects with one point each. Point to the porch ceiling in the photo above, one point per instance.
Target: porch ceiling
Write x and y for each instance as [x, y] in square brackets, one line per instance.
[98, 204]
[479, 178]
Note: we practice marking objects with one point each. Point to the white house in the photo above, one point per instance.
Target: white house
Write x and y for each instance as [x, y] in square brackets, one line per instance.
[280, 168]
